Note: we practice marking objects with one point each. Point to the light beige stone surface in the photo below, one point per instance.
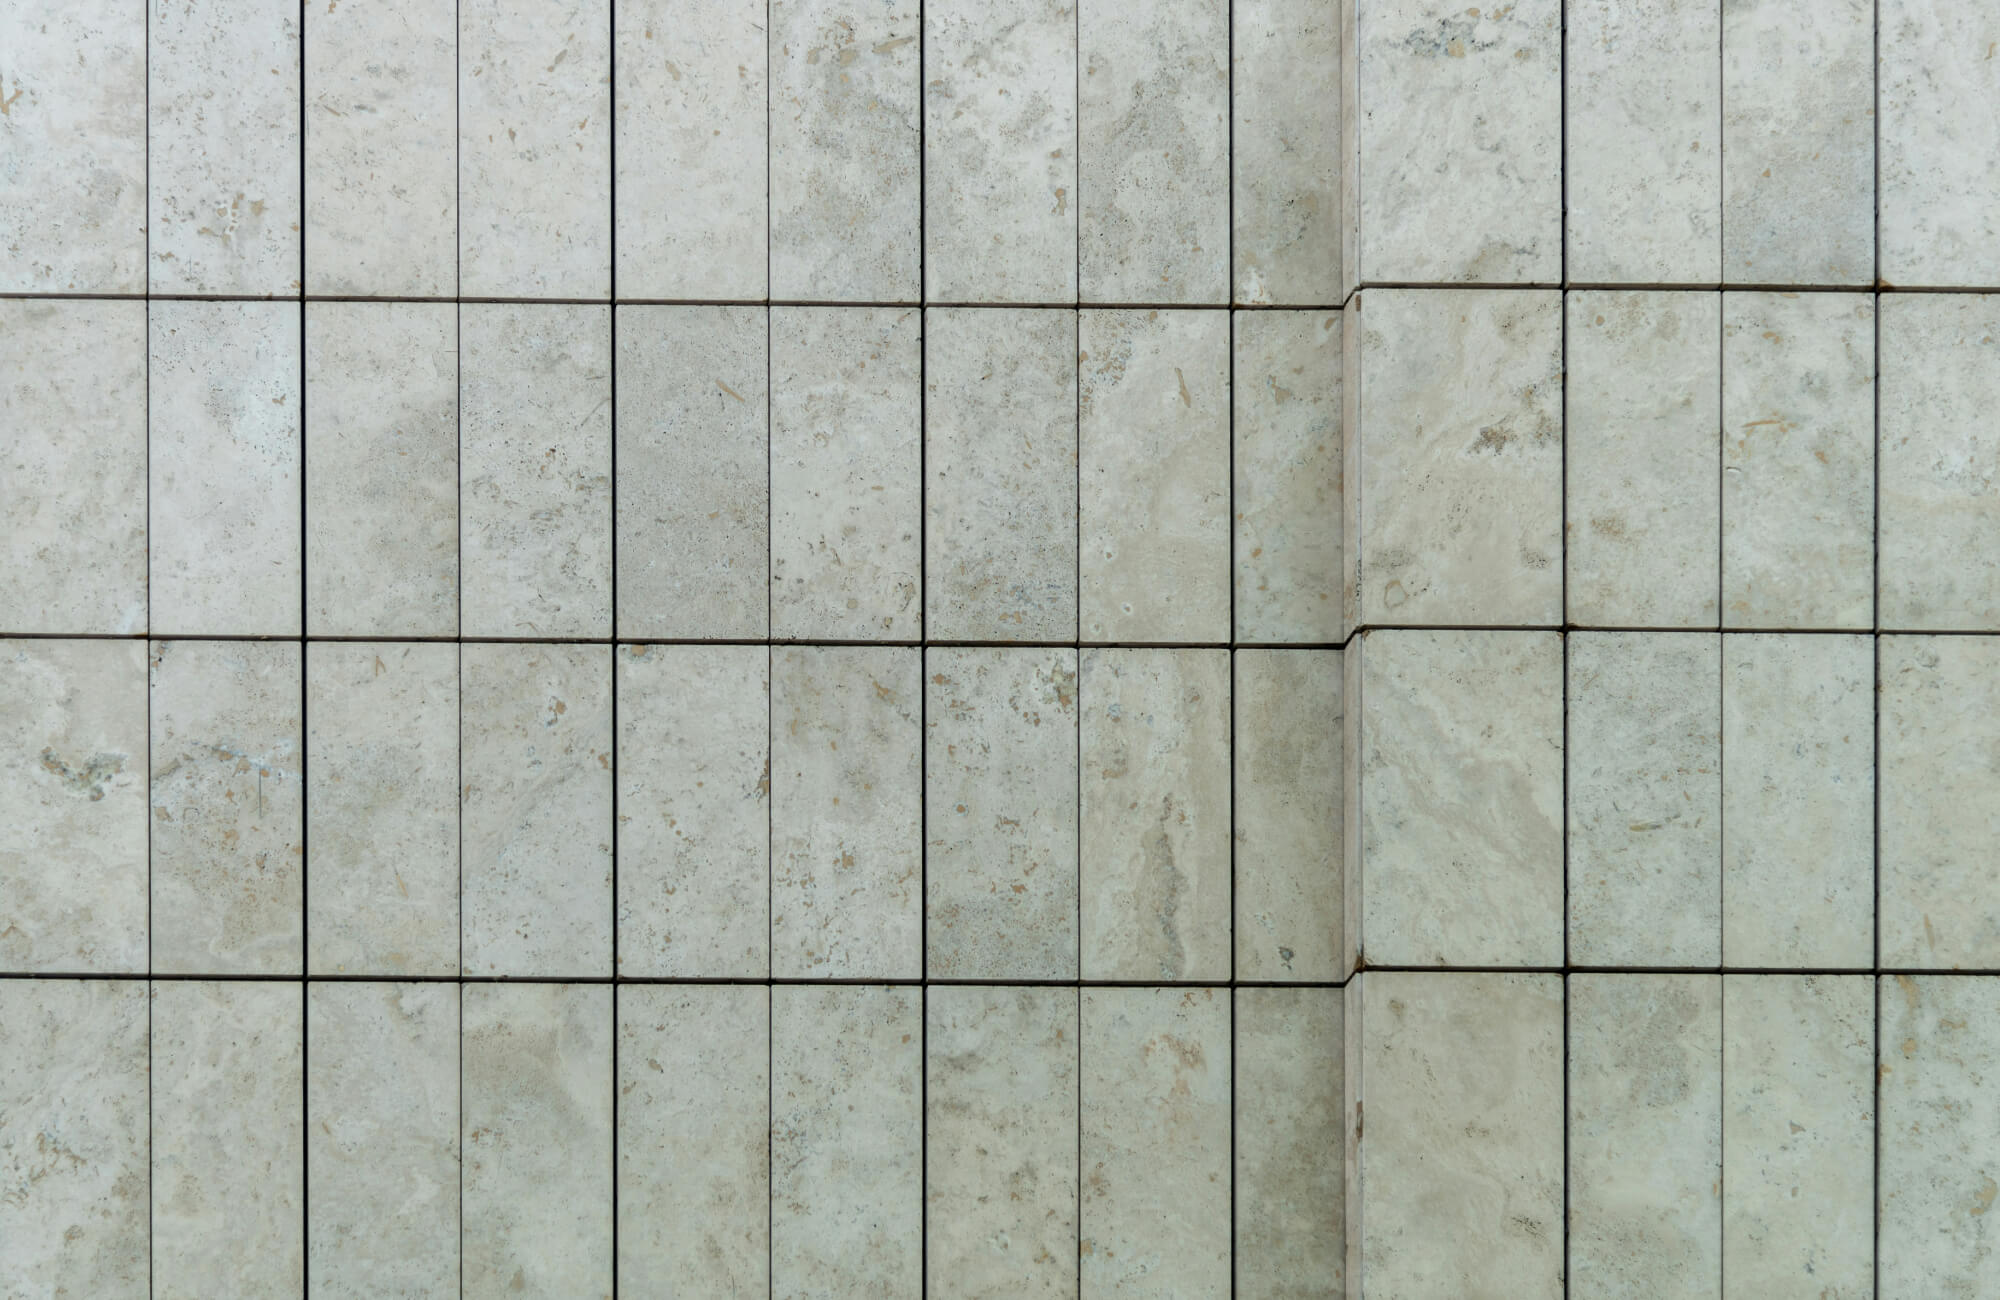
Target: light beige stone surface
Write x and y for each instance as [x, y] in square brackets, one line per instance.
[74, 137]
[1153, 142]
[1459, 439]
[1798, 460]
[1645, 799]
[1939, 202]
[1798, 1136]
[74, 1150]
[1643, 155]
[1938, 1135]
[847, 812]
[691, 88]
[537, 1137]
[223, 159]
[1000, 157]
[1155, 814]
[1642, 435]
[1645, 1135]
[534, 147]
[1000, 813]
[694, 819]
[846, 1140]
[535, 485]
[1940, 381]
[1155, 1142]
[383, 1180]
[1291, 1223]
[224, 457]
[1939, 754]
[846, 472]
[1287, 466]
[844, 160]
[1000, 1146]
[694, 472]
[228, 1138]
[382, 808]
[1477, 98]
[381, 150]
[382, 469]
[73, 806]
[1000, 475]
[1461, 799]
[1798, 142]
[1798, 801]
[535, 809]
[228, 845]
[694, 1139]
[1289, 815]
[1285, 150]
[1153, 438]
[73, 471]
[1462, 1078]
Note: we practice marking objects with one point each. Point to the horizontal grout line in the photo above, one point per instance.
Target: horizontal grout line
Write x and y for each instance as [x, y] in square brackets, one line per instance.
[647, 980]
[1565, 628]
[390, 639]
[1578, 968]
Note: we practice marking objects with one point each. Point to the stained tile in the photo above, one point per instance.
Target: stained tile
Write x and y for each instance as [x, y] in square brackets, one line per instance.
[1291, 1228]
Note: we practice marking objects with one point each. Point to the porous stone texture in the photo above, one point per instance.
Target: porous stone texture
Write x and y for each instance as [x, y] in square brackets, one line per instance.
[73, 806]
[1285, 151]
[1290, 1143]
[1287, 461]
[1288, 815]
[228, 795]
[1939, 221]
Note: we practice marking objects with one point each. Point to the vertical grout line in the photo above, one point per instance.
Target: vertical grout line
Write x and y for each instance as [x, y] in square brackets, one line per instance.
[1722, 1132]
[611, 376]
[923, 626]
[1875, 1132]
[1566, 1243]
[305, 735]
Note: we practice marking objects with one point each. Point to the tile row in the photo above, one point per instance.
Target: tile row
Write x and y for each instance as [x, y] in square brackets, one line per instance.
[800, 473]
[415, 1139]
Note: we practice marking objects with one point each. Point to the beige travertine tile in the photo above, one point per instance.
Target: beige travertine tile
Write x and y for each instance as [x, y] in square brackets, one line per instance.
[694, 472]
[1798, 460]
[691, 89]
[1939, 203]
[1001, 1141]
[1459, 440]
[383, 1180]
[1155, 809]
[535, 487]
[1288, 466]
[228, 1138]
[1289, 815]
[846, 472]
[1153, 437]
[1798, 801]
[74, 188]
[1939, 720]
[74, 1150]
[1462, 1077]
[1000, 475]
[1291, 1221]
[382, 808]
[847, 812]
[694, 819]
[1285, 150]
[1000, 211]
[694, 1139]
[1000, 813]
[73, 806]
[1461, 799]
[1642, 445]
[1798, 1136]
[844, 161]
[846, 1141]
[1645, 798]
[223, 158]
[73, 471]
[534, 148]
[381, 151]
[382, 469]
[537, 1138]
[1645, 1135]
[535, 810]
[224, 461]
[1153, 143]
[228, 845]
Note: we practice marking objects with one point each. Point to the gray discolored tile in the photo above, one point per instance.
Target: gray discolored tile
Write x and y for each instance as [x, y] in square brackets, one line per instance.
[1285, 151]
[1290, 1144]
[1288, 463]
[1289, 814]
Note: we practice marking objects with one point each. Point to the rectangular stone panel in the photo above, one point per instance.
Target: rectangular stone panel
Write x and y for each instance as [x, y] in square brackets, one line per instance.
[1285, 151]
[1290, 1141]
[1939, 203]
[1287, 465]
[1289, 813]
